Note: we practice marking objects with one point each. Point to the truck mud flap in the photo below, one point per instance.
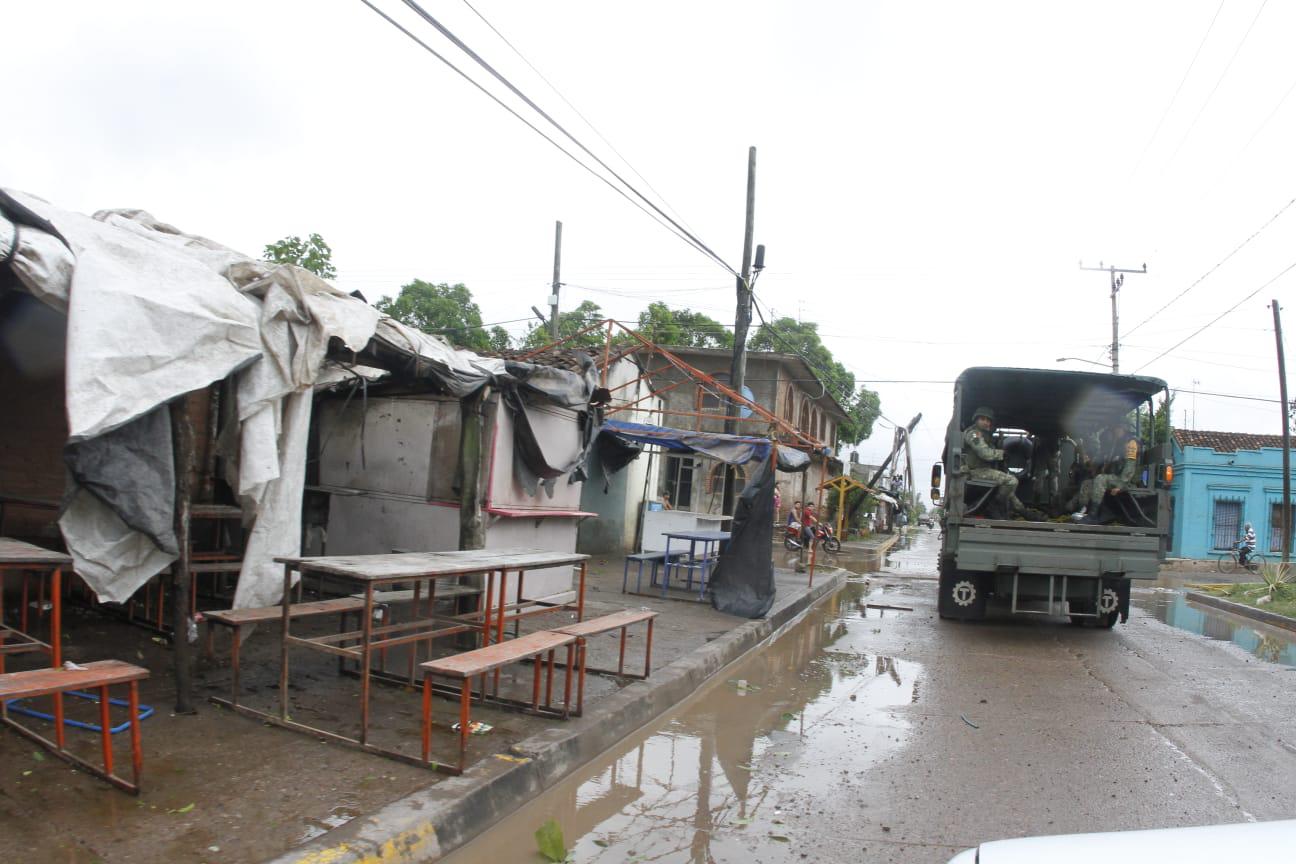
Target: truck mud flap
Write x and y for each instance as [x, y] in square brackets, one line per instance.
[963, 594]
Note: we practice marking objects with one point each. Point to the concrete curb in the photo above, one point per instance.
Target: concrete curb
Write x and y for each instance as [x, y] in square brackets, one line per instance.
[432, 822]
[1273, 619]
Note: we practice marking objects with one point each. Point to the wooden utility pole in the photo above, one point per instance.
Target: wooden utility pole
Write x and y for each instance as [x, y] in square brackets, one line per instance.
[1116, 283]
[553, 298]
[742, 320]
[1286, 439]
[182, 448]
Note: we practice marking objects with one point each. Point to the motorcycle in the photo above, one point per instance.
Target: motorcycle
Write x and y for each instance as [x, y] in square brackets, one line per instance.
[823, 534]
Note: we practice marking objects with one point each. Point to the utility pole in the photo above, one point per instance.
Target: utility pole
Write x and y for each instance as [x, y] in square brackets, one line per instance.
[742, 320]
[1286, 439]
[553, 298]
[1116, 283]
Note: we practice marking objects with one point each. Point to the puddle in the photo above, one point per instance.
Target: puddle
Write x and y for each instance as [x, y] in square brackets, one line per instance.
[741, 764]
[1173, 608]
[339, 815]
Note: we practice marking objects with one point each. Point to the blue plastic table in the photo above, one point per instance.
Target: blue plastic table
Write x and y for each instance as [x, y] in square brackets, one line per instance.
[702, 565]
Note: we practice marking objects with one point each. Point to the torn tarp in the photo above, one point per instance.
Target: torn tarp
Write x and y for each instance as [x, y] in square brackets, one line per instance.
[743, 581]
[732, 449]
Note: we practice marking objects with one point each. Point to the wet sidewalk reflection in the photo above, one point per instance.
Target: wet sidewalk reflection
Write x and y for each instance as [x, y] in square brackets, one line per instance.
[735, 774]
[1173, 608]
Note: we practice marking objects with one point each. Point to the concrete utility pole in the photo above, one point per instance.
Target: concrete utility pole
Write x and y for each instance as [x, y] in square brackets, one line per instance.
[553, 298]
[1116, 283]
[742, 320]
[1286, 439]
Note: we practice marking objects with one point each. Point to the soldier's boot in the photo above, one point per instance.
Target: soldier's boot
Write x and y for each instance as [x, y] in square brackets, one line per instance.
[998, 509]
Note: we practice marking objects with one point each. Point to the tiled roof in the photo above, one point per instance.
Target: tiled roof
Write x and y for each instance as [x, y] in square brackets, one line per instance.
[1225, 442]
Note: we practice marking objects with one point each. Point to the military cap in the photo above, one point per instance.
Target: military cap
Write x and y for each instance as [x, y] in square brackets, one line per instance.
[985, 412]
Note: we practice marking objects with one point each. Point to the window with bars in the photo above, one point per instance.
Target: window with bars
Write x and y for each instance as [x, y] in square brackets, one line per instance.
[1226, 527]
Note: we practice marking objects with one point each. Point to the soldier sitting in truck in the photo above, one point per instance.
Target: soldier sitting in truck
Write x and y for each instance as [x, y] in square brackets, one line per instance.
[1120, 472]
[980, 458]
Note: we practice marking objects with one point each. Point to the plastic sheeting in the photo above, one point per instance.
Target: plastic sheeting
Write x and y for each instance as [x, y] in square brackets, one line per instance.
[732, 449]
[743, 581]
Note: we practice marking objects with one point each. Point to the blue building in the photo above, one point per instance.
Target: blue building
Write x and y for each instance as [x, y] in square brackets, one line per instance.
[1222, 481]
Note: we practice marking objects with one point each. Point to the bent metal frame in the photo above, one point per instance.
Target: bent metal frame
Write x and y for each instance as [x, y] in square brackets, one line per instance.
[374, 572]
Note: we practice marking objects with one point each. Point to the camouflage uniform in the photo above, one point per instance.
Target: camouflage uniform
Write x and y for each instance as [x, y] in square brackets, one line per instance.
[1123, 479]
[979, 456]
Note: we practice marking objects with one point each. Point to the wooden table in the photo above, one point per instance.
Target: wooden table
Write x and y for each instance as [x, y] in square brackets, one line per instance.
[17, 555]
[709, 540]
[374, 572]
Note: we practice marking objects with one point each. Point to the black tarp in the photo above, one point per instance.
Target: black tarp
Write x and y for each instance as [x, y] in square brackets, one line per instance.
[743, 581]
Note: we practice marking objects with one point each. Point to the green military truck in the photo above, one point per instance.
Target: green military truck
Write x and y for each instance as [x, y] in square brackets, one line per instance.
[1048, 435]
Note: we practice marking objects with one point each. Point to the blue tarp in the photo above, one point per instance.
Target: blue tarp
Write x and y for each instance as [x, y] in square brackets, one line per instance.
[733, 449]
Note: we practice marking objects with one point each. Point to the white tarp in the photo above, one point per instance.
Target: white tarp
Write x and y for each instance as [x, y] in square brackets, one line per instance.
[153, 314]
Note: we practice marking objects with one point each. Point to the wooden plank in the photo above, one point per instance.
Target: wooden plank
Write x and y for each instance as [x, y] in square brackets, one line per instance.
[42, 682]
[18, 552]
[237, 617]
[406, 595]
[202, 567]
[476, 662]
[412, 565]
[605, 623]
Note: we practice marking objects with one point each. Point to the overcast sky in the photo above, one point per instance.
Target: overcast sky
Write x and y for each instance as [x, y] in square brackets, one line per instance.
[929, 174]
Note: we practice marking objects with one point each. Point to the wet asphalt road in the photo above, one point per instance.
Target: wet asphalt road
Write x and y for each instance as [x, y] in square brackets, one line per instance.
[884, 734]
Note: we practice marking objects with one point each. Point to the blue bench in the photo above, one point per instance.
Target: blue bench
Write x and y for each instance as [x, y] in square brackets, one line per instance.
[656, 559]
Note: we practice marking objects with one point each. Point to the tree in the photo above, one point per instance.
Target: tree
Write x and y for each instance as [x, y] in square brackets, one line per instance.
[499, 339]
[442, 309]
[787, 335]
[585, 315]
[682, 327]
[311, 254]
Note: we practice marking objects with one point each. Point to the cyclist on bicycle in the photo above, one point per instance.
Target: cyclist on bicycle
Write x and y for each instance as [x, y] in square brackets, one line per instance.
[1246, 546]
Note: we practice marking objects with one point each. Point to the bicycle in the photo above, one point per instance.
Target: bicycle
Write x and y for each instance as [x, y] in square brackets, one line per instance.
[1228, 561]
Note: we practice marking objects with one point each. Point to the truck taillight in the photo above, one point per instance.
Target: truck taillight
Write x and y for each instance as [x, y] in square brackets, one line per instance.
[1168, 474]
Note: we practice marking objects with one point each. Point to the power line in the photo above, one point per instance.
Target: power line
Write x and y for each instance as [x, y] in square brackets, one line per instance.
[459, 43]
[1225, 395]
[428, 48]
[1218, 317]
[576, 110]
[1170, 104]
[1220, 81]
[1200, 278]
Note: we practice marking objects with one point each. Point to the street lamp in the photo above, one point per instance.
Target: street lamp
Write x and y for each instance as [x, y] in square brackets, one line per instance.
[1081, 360]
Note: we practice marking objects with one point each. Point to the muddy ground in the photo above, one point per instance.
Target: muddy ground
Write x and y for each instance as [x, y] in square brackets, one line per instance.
[873, 731]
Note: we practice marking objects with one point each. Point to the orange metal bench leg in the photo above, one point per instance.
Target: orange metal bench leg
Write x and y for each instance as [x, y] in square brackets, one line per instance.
[234, 663]
[621, 656]
[137, 752]
[580, 686]
[465, 704]
[567, 679]
[427, 718]
[648, 649]
[536, 662]
[105, 730]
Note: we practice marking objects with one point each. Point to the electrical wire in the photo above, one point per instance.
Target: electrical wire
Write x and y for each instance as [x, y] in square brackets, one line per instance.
[575, 110]
[1220, 81]
[1221, 262]
[480, 61]
[428, 48]
[1182, 80]
[1280, 274]
[1224, 395]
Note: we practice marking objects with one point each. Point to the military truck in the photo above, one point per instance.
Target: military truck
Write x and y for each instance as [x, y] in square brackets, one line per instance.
[1049, 426]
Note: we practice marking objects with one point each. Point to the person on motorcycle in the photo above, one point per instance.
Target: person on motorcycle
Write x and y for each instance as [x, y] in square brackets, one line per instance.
[808, 524]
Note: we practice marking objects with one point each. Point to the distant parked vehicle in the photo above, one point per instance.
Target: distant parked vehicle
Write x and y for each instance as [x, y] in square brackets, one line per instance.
[926, 522]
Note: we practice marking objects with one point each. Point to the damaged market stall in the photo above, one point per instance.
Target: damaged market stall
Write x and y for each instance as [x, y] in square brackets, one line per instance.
[153, 315]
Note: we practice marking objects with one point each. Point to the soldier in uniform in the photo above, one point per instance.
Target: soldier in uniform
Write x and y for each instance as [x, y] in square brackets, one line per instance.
[980, 457]
[1120, 472]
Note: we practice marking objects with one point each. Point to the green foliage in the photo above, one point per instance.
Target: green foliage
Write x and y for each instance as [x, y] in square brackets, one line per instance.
[586, 314]
[549, 839]
[311, 254]
[789, 336]
[499, 338]
[445, 310]
[682, 327]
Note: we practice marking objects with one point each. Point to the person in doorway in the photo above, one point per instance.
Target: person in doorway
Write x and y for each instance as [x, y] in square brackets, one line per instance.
[1246, 546]
[778, 503]
[980, 457]
[666, 502]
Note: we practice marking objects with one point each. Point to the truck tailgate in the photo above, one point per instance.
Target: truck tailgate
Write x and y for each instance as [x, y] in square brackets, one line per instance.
[985, 545]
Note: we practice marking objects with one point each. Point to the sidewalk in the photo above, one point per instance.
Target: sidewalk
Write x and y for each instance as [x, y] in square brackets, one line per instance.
[222, 787]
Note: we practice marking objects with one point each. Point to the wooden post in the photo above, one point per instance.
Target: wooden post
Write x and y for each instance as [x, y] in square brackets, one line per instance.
[742, 320]
[1286, 440]
[182, 446]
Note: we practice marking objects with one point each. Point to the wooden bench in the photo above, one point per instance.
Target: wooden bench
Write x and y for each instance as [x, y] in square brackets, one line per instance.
[99, 675]
[606, 624]
[237, 619]
[657, 559]
[470, 664]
